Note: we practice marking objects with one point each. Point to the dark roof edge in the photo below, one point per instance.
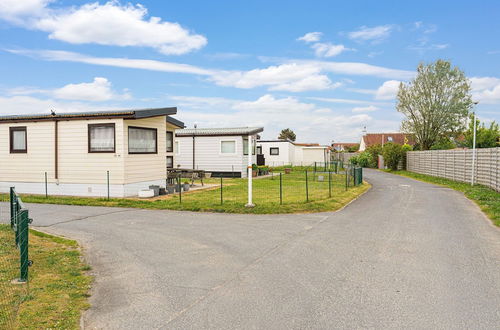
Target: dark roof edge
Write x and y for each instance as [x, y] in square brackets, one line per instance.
[175, 122]
[126, 114]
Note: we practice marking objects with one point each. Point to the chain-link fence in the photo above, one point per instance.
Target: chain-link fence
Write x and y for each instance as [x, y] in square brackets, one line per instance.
[14, 262]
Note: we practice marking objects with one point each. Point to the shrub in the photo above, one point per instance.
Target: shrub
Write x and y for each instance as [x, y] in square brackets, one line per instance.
[444, 143]
[374, 151]
[365, 159]
[405, 148]
[393, 154]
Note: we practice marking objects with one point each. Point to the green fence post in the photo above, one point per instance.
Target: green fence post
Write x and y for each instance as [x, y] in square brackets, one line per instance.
[307, 188]
[23, 245]
[329, 183]
[12, 210]
[345, 170]
[281, 189]
[221, 198]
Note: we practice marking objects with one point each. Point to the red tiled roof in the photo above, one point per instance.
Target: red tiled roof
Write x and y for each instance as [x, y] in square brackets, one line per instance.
[381, 138]
[347, 144]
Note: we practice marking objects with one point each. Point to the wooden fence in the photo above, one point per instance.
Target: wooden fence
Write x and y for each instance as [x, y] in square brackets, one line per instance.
[457, 165]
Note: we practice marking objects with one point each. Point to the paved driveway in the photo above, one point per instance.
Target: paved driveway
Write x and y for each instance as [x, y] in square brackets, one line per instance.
[405, 255]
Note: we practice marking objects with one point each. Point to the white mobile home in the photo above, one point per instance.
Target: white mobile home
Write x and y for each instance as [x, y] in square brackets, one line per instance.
[286, 152]
[75, 151]
[221, 151]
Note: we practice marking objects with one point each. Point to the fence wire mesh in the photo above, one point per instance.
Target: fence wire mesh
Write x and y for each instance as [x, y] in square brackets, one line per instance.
[14, 280]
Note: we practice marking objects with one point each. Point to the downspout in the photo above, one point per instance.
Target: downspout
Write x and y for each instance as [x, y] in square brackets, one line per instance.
[56, 150]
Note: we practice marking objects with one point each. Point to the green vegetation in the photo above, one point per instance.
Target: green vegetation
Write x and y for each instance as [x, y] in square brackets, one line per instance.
[487, 199]
[266, 196]
[58, 285]
[287, 134]
[486, 137]
[436, 103]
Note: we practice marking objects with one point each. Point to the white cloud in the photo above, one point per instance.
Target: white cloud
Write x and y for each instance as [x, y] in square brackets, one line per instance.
[274, 114]
[345, 101]
[369, 108]
[111, 24]
[311, 37]
[373, 34]
[294, 76]
[16, 11]
[268, 103]
[24, 104]
[63, 56]
[486, 89]
[98, 90]
[286, 77]
[328, 49]
[388, 90]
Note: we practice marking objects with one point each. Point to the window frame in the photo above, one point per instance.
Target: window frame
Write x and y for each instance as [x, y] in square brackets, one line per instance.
[177, 147]
[245, 150]
[170, 157]
[227, 153]
[258, 150]
[11, 139]
[173, 142]
[271, 151]
[89, 126]
[142, 152]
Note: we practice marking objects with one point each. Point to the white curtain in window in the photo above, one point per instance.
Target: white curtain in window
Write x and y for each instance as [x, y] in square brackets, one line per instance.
[141, 140]
[102, 138]
[228, 147]
[19, 142]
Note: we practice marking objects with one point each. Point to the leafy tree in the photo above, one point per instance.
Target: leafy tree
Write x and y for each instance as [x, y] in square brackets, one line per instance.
[353, 148]
[486, 137]
[374, 151]
[443, 143]
[393, 154]
[287, 134]
[436, 102]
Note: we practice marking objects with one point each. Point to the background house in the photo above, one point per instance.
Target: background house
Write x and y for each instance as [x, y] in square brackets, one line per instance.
[343, 146]
[75, 151]
[286, 152]
[221, 151]
[371, 139]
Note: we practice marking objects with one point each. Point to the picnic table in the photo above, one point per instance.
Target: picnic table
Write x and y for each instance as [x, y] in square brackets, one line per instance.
[185, 173]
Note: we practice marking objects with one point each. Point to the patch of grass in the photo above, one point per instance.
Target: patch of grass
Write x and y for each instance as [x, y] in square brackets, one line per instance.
[266, 196]
[487, 199]
[58, 286]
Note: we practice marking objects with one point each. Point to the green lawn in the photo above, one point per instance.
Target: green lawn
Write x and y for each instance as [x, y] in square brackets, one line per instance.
[266, 194]
[487, 199]
[58, 285]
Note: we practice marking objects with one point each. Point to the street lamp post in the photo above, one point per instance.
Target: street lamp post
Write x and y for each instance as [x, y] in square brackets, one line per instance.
[473, 149]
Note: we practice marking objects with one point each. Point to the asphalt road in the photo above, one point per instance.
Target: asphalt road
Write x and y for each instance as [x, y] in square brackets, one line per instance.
[404, 255]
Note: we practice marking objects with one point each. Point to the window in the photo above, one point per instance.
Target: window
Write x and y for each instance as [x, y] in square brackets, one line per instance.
[259, 150]
[170, 141]
[227, 147]
[170, 162]
[142, 140]
[389, 138]
[18, 140]
[274, 151]
[245, 147]
[177, 147]
[101, 137]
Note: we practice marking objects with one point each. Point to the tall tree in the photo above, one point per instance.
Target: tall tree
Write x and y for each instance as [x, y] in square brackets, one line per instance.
[435, 103]
[287, 134]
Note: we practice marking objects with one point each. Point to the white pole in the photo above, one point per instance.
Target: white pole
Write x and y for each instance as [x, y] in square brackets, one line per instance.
[473, 152]
[249, 170]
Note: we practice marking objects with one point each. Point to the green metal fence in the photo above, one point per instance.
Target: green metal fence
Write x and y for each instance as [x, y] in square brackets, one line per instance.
[14, 261]
[19, 222]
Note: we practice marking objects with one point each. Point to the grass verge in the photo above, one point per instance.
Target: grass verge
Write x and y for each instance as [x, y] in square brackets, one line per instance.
[58, 286]
[266, 196]
[487, 199]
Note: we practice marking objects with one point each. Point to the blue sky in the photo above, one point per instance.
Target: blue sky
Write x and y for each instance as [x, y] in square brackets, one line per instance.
[325, 69]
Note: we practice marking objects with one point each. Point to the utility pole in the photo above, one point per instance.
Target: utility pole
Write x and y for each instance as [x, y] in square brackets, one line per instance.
[473, 150]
